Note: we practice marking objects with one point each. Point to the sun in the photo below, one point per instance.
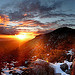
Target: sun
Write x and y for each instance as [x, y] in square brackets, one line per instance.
[25, 36]
[21, 36]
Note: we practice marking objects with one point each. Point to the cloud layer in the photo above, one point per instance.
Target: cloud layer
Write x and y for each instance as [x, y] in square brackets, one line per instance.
[39, 16]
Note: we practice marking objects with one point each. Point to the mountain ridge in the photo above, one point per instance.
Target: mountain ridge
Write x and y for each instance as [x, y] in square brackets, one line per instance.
[59, 39]
[59, 33]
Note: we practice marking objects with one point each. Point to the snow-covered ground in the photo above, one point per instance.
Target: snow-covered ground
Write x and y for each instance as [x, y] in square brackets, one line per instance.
[57, 68]
[70, 52]
[6, 70]
[19, 70]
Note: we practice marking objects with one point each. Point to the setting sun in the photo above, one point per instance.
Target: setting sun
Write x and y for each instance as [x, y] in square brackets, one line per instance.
[22, 36]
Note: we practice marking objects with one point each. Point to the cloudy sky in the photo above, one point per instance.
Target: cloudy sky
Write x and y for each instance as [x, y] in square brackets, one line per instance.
[38, 16]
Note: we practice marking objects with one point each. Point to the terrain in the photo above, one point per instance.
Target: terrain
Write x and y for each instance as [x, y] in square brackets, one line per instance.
[60, 40]
[51, 47]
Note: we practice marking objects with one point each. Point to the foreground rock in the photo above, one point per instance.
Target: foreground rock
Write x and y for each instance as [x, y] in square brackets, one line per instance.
[68, 71]
[73, 68]
[64, 67]
[39, 67]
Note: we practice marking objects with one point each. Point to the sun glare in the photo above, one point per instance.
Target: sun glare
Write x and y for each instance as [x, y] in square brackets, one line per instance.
[21, 36]
[25, 36]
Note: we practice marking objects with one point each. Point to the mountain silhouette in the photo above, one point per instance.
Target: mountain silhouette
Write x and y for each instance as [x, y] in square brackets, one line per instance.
[61, 39]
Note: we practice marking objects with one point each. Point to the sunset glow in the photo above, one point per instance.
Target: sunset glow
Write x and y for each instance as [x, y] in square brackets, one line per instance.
[21, 36]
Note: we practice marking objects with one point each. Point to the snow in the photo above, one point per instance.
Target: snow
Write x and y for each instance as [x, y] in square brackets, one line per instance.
[47, 44]
[18, 71]
[70, 52]
[26, 62]
[12, 64]
[57, 68]
[68, 63]
[6, 71]
[39, 61]
[34, 57]
[21, 67]
[47, 54]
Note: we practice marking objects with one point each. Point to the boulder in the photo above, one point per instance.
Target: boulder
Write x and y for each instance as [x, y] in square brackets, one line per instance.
[64, 67]
[39, 67]
[28, 71]
[73, 68]
[68, 71]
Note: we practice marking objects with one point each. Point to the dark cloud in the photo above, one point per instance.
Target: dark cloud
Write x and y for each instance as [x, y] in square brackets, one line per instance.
[57, 21]
[44, 31]
[69, 25]
[25, 13]
[4, 19]
[57, 15]
[35, 26]
[3, 16]
[16, 15]
[1, 11]
[33, 23]
[1, 24]
[32, 7]
[56, 4]
[7, 31]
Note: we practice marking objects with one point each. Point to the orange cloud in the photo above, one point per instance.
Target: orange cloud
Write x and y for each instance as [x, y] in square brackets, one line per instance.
[25, 14]
[28, 23]
[34, 26]
[4, 19]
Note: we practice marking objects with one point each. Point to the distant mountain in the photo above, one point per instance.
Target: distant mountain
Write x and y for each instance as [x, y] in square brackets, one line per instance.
[62, 39]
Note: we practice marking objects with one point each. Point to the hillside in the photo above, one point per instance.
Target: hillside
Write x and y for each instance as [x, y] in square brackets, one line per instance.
[60, 39]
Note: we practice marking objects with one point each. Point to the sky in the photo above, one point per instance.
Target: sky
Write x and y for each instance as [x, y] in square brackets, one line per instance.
[35, 16]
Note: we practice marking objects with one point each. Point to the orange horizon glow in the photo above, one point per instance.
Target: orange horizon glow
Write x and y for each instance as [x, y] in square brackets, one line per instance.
[20, 36]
